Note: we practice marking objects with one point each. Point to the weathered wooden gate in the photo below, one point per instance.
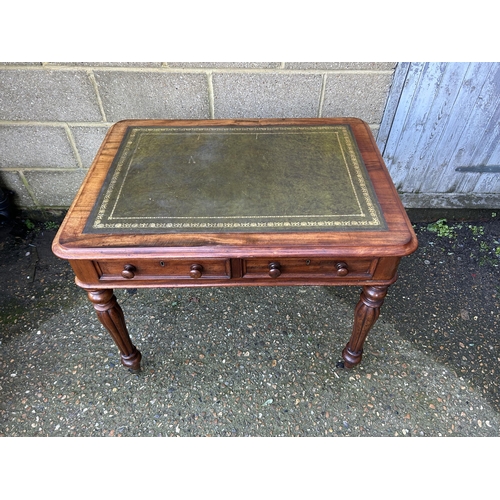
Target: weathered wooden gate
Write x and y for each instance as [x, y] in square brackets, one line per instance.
[440, 134]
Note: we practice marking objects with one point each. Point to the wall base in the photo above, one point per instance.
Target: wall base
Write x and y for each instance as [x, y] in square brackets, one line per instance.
[451, 200]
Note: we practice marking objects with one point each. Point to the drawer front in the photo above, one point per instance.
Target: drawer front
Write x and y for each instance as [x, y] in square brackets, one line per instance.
[134, 269]
[344, 269]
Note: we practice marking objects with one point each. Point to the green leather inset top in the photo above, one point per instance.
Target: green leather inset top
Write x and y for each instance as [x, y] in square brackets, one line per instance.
[245, 179]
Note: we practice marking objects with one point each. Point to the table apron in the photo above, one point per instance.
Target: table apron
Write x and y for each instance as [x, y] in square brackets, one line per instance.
[143, 273]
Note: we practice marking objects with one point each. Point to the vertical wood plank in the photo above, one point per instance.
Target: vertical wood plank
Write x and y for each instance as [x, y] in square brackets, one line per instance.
[486, 182]
[447, 115]
[410, 118]
[439, 177]
[391, 107]
[438, 107]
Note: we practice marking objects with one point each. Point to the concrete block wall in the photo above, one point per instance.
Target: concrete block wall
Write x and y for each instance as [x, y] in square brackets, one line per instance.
[54, 116]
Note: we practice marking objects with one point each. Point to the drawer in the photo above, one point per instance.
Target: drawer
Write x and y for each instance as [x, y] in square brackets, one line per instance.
[309, 268]
[136, 269]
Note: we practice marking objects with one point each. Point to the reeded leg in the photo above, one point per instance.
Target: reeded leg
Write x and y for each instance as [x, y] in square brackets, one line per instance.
[366, 313]
[110, 314]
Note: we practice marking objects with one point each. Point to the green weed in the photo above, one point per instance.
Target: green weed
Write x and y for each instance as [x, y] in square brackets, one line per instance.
[29, 224]
[477, 230]
[484, 246]
[39, 226]
[441, 228]
[51, 225]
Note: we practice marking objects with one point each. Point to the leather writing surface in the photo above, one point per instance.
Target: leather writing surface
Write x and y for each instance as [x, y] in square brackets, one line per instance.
[243, 179]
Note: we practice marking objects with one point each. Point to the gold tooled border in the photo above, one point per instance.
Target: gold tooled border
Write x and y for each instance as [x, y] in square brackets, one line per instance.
[349, 152]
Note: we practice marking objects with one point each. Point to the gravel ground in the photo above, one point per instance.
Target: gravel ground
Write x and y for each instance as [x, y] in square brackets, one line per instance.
[257, 361]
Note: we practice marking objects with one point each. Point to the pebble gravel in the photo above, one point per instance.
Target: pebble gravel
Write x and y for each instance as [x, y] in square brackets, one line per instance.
[256, 361]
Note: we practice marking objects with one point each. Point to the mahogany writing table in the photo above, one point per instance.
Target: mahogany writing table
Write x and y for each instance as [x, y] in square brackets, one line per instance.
[177, 203]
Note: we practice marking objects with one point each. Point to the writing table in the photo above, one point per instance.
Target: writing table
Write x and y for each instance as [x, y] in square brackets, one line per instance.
[178, 203]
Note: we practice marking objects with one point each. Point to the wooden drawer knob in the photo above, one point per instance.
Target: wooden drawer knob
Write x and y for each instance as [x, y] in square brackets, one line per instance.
[341, 269]
[196, 271]
[274, 269]
[128, 271]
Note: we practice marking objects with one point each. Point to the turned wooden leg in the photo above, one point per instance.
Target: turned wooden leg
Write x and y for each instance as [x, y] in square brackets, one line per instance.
[110, 314]
[366, 313]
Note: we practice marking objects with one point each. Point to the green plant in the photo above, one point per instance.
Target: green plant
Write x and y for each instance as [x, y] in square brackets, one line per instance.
[441, 228]
[51, 225]
[29, 224]
[484, 246]
[477, 230]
